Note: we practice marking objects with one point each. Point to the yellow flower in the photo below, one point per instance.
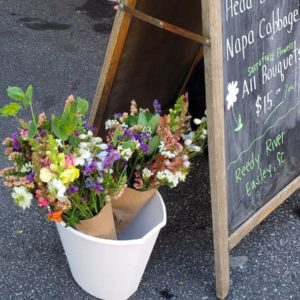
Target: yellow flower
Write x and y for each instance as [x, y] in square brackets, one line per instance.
[53, 167]
[46, 175]
[69, 175]
[61, 159]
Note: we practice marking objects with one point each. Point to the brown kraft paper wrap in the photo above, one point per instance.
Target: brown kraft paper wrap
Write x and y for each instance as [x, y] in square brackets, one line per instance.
[101, 225]
[128, 205]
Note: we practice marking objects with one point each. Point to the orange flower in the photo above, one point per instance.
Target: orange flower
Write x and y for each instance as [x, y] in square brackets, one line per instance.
[55, 216]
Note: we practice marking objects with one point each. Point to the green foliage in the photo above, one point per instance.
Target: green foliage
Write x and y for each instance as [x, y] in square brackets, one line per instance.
[32, 130]
[27, 100]
[10, 109]
[117, 133]
[142, 120]
[154, 122]
[82, 106]
[15, 93]
[132, 120]
[153, 144]
[65, 125]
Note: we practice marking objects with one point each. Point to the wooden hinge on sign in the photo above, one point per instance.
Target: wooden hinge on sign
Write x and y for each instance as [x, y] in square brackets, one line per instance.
[164, 25]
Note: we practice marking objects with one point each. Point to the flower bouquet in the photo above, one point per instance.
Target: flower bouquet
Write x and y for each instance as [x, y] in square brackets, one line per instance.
[158, 150]
[73, 174]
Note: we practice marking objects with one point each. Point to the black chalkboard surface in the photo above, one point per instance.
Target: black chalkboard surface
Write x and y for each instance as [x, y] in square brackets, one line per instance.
[261, 58]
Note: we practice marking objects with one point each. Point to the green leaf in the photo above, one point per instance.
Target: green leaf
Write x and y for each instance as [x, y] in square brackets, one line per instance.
[28, 95]
[153, 144]
[154, 122]
[15, 93]
[58, 129]
[129, 145]
[82, 106]
[32, 130]
[10, 109]
[74, 141]
[133, 120]
[116, 136]
[142, 119]
[23, 123]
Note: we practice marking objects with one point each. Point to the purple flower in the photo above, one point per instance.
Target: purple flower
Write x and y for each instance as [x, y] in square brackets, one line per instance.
[157, 106]
[88, 126]
[90, 168]
[144, 147]
[30, 176]
[43, 132]
[89, 183]
[137, 137]
[127, 133]
[118, 115]
[98, 187]
[113, 156]
[72, 189]
[15, 141]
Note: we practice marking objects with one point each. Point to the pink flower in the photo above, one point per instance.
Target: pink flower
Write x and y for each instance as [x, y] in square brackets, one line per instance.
[24, 132]
[41, 119]
[69, 161]
[42, 202]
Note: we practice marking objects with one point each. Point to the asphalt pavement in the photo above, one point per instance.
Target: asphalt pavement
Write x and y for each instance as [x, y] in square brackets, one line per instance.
[59, 47]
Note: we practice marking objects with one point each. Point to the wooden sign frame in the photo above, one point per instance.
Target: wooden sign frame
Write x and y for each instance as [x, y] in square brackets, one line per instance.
[212, 39]
[223, 242]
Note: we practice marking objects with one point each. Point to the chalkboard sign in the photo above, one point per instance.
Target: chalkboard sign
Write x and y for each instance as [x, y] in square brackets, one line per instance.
[261, 62]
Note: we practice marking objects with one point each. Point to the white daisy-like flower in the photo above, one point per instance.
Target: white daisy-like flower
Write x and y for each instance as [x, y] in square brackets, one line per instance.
[168, 176]
[125, 153]
[22, 197]
[233, 91]
[111, 124]
[146, 173]
[57, 189]
[27, 167]
[82, 136]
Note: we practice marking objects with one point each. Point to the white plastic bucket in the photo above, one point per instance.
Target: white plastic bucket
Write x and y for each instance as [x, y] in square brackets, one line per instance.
[113, 269]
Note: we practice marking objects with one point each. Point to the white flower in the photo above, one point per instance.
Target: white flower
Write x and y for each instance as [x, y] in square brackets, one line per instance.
[168, 176]
[22, 197]
[180, 176]
[188, 142]
[111, 124]
[82, 136]
[90, 133]
[97, 140]
[85, 154]
[231, 97]
[79, 161]
[197, 121]
[146, 173]
[83, 145]
[27, 167]
[164, 152]
[190, 135]
[168, 154]
[59, 143]
[194, 148]
[103, 146]
[57, 189]
[125, 153]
